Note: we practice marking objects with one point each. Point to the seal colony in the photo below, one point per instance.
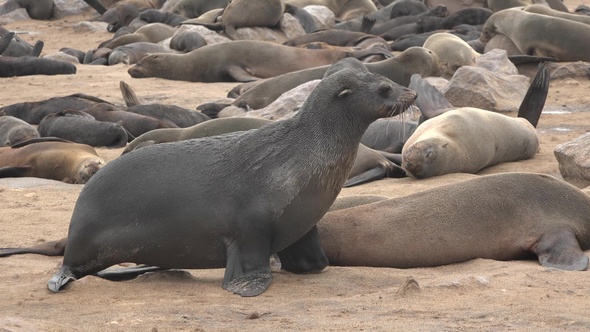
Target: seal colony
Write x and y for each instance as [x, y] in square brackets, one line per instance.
[291, 170]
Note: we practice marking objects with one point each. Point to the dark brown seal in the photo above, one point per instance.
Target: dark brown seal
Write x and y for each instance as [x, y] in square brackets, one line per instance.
[231, 200]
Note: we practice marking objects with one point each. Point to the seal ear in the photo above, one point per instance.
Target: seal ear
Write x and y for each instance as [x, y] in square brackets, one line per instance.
[344, 93]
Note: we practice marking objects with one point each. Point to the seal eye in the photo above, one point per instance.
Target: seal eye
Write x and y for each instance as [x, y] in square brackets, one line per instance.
[384, 88]
[344, 93]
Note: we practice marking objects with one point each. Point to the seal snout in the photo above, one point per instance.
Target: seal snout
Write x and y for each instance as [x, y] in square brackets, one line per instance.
[402, 103]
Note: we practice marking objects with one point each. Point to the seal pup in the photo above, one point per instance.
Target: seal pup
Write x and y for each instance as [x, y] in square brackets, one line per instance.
[507, 216]
[131, 53]
[248, 13]
[452, 51]
[202, 223]
[14, 130]
[469, 139]
[55, 160]
[542, 35]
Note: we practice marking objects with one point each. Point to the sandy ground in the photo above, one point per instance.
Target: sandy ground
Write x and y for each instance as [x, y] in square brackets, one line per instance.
[482, 295]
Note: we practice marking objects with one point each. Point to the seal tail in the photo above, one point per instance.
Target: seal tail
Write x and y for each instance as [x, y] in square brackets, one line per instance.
[534, 100]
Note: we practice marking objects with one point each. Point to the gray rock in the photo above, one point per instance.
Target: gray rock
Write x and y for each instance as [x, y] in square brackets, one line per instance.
[15, 15]
[211, 37]
[259, 33]
[493, 85]
[574, 160]
[65, 8]
[324, 17]
[498, 62]
[290, 26]
[287, 104]
[60, 56]
[561, 70]
[86, 26]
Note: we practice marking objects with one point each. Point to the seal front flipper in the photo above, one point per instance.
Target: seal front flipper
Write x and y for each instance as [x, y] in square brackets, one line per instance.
[5, 41]
[14, 172]
[534, 100]
[305, 255]
[247, 271]
[240, 74]
[60, 279]
[372, 174]
[560, 249]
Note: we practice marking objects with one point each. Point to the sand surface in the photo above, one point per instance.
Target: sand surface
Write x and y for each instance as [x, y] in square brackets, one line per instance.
[483, 295]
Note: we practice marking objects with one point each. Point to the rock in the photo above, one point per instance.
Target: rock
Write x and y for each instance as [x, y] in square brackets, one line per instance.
[15, 15]
[574, 161]
[324, 18]
[287, 104]
[65, 8]
[290, 26]
[502, 42]
[497, 61]
[211, 37]
[60, 56]
[86, 26]
[560, 70]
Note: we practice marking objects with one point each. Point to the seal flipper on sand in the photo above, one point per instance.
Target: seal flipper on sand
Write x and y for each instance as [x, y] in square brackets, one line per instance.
[51, 248]
[247, 271]
[240, 74]
[534, 100]
[14, 172]
[560, 249]
[60, 279]
[305, 255]
[372, 174]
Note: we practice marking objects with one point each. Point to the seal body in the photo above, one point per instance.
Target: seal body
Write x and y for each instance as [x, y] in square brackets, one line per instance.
[452, 51]
[238, 61]
[14, 130]
[467, 140]
[25, 66]
[542, 35]
[62, 161]
[504, 216]
[231, 200]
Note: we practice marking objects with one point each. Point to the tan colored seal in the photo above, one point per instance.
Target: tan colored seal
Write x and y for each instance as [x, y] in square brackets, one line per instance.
[505, 216]
[541, 35]
[452, 51]
[62, 161]
[467, 140]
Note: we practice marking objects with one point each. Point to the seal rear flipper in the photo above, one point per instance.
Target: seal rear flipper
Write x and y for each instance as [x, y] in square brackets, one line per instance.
[367, 24]
[373, 174]
[534, 100]
[520, 59]
[37, 49]
[60, 279]
[305, 255]
[127, 273]
[51, 248]
[14, 172]
[129, 95]
[96, 5]
[430, 101]
[560, 249]
[240, 74]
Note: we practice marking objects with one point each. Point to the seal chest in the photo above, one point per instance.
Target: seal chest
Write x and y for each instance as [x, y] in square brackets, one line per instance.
[231, 200]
